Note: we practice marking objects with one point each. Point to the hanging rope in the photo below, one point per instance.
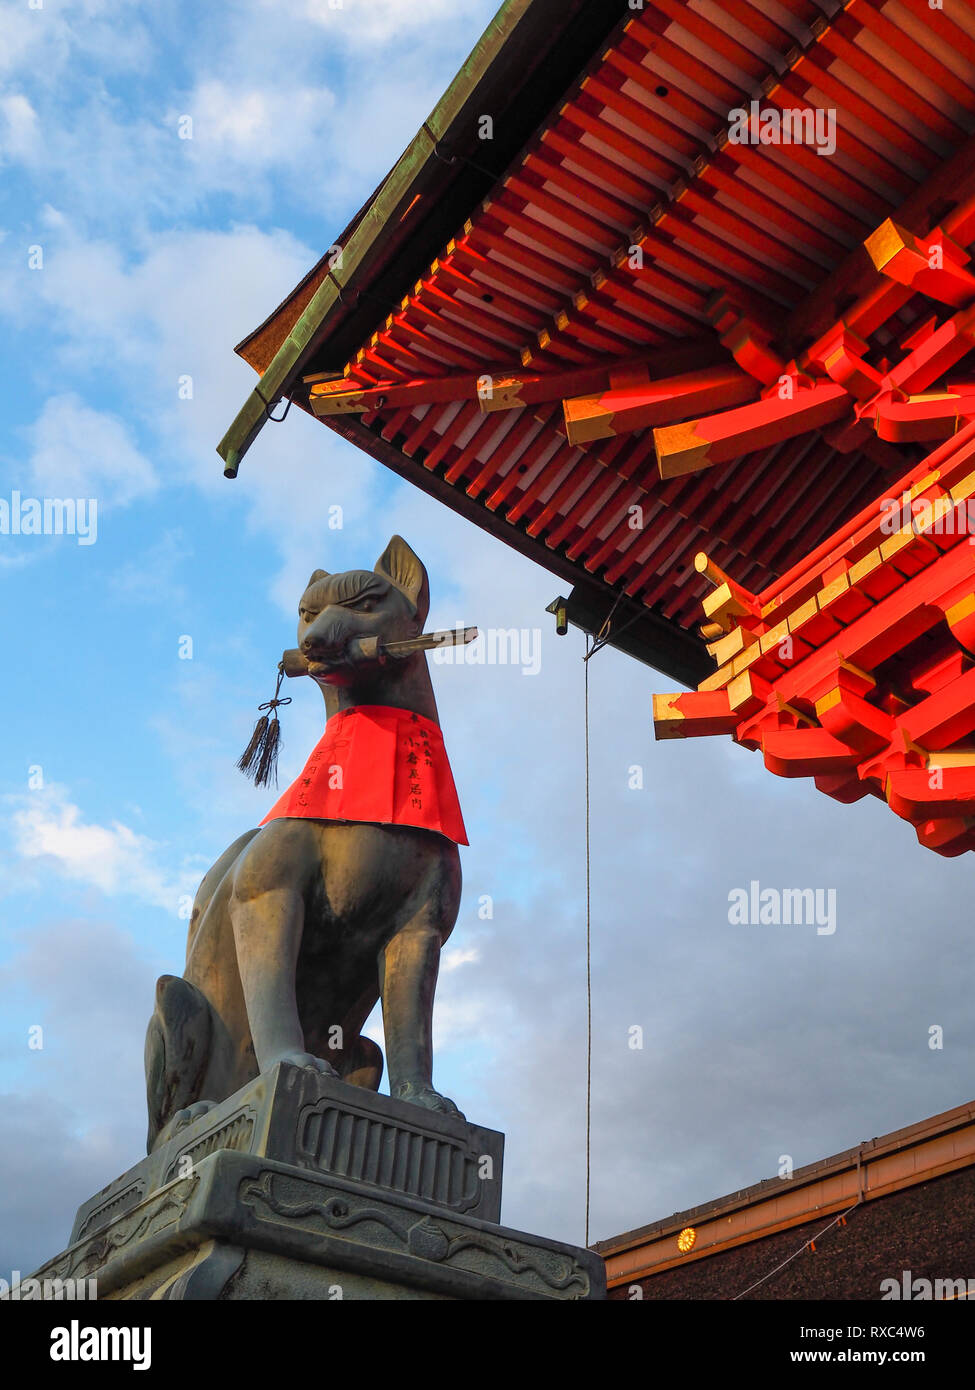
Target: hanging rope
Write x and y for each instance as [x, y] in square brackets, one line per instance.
[588, 953]
[592, 647]
[605, 633]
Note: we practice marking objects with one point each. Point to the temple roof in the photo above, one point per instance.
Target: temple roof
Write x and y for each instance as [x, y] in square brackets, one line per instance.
[593, 311]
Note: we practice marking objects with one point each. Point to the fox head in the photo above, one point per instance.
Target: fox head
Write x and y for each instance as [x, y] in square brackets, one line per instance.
[390, 601]
[335, 613]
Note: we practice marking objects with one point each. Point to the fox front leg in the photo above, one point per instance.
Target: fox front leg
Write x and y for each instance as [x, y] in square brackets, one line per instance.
[268, 921]
[408, 969]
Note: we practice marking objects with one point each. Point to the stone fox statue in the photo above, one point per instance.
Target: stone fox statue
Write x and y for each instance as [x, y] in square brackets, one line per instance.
[346, 892]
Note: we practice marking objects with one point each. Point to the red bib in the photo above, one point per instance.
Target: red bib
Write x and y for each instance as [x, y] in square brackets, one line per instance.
[379, 764]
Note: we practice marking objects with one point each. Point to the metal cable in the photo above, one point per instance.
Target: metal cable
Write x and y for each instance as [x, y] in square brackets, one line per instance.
[588, 956]
[811, 1241]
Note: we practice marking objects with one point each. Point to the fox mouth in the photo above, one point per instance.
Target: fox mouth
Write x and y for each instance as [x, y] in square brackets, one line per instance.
[323, 658]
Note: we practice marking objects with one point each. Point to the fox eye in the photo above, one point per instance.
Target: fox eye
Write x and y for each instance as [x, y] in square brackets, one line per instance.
[363, 605]
[306, 615]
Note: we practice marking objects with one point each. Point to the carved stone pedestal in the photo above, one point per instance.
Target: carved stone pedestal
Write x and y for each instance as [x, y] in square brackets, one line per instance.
[301, 1187]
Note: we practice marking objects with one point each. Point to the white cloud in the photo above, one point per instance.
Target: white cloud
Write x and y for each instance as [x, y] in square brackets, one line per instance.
[174, 312]
[18, 127]
[51, 38]
[272, 107]
[264, 118]
[462, 1020]
[18, 32]
[51, 217]
[166, 305]
[152, 576]
[74, 1111]
[363, 23]
[454, 959]
[261, 126]
[80, 452]
[50, 828]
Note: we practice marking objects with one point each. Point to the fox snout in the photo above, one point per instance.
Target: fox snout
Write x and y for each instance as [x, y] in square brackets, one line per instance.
[329, 636]
[343, 619]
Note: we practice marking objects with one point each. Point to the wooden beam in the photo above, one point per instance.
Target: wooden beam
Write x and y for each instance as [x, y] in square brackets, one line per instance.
[652, 403]
[497, 387]
[922, 419]
[952, 179]
[702, 443]
[903, 257]
[693, 714]
[742, 331]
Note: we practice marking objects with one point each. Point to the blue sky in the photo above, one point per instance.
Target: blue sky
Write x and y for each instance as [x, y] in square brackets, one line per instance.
[158, 255]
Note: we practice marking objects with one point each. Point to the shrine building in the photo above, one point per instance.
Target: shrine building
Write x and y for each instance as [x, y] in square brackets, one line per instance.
[677, 298]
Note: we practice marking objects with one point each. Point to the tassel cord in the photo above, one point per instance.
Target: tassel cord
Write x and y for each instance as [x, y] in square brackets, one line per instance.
[260, 758]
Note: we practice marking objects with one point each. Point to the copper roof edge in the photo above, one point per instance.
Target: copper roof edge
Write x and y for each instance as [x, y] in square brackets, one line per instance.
[942, 1123]
[391, 213]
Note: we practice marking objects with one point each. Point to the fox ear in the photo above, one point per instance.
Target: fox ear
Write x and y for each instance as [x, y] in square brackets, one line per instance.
[405, 570]
[317, 574]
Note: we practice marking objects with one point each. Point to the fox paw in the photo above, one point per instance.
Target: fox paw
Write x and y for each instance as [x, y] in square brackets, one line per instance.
[421, 1094]
[304, 1059]
[181, 1118]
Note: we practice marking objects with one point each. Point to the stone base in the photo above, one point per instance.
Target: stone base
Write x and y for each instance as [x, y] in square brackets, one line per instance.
[301, 1187]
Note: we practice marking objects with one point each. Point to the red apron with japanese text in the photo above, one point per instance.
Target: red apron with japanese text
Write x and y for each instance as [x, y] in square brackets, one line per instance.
[380, 764]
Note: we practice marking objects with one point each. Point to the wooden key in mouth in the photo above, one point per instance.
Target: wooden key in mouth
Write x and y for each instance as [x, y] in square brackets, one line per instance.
[295, 662]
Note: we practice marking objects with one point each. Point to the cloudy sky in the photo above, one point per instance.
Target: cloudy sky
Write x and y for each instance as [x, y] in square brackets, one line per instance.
[132, 258]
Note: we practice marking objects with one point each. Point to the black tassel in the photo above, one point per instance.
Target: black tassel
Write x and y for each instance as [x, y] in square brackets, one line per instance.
[259, 759]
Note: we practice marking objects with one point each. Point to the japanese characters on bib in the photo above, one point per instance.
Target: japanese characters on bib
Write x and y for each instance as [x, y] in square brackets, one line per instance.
[378, 764]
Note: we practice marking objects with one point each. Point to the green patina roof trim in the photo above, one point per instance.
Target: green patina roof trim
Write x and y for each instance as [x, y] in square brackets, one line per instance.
[394, 198]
